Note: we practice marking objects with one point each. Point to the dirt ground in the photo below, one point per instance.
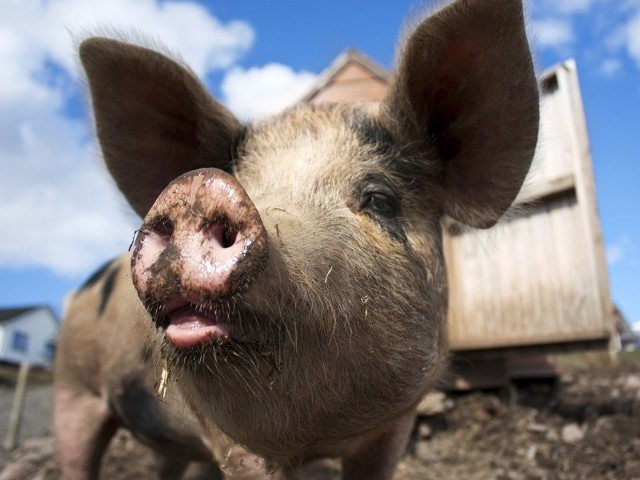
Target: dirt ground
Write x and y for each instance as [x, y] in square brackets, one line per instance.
[585, 425]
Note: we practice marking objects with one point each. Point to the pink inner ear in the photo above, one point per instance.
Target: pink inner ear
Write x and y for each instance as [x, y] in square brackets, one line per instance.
[459, 87]
[457, 67]
[460, 58]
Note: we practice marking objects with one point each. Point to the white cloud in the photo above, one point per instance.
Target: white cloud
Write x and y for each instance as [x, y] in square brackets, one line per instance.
[552, 32]
[632, 37]
[624, 248]
[564, 7]
[610, 67]
[614, 254]
[613, 27]
[57, 208]
[39, 28]
[266, 90]
[570, 6]
[625, 33]
[552, 24]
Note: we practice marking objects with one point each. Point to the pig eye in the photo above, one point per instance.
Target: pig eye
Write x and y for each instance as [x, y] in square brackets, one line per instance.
[379, 204]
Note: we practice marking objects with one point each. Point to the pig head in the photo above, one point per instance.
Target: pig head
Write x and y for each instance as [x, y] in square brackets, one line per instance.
[293, 267]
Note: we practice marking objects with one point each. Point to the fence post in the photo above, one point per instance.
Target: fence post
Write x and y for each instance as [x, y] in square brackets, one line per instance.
[17, 408]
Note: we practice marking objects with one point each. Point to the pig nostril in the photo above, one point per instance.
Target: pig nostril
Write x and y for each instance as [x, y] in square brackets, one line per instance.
[162, 226]
[229, 237]
[220, 229]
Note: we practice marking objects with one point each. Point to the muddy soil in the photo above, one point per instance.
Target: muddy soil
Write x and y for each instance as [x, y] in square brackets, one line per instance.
[585, 425]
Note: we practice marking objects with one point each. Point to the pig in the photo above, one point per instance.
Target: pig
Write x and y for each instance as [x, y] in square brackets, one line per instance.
[285, 298]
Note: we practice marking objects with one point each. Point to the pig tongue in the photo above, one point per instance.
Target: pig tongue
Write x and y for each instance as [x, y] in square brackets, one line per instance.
[188, 329]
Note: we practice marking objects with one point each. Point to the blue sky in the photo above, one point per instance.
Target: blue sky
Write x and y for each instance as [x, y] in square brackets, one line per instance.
[60, 215]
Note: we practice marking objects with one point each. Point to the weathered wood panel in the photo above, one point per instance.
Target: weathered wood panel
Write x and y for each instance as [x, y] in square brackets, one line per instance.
[527, 282]
[540, 276]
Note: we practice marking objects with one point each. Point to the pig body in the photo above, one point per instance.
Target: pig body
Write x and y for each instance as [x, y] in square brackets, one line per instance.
[289, 275]
[107, 376]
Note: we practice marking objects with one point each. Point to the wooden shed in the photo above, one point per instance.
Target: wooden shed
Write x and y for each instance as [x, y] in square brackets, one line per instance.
[536, 284]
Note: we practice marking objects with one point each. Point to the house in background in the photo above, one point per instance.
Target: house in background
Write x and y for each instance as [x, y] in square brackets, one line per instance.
[28, 333]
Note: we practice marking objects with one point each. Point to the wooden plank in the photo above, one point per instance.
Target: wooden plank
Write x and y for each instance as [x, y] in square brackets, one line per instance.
[540, 191]
[601, 337]
[15, 418]
[527, 280]
[585, 183]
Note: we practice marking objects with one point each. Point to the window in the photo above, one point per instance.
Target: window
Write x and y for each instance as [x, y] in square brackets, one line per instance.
[20, 341]
[49, 350]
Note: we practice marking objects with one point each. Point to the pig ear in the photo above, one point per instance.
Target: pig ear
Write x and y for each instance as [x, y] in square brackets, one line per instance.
[154, 119]
[466, 88]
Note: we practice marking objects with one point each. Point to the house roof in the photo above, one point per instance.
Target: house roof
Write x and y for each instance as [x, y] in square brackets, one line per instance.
[8, 314]
[348, 59]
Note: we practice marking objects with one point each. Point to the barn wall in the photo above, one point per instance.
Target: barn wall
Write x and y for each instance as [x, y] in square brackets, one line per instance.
[527, 282]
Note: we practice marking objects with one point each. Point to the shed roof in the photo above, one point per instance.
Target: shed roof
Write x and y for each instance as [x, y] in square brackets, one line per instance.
[358, 76]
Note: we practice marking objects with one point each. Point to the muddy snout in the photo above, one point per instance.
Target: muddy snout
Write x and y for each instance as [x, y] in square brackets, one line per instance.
[202, 241]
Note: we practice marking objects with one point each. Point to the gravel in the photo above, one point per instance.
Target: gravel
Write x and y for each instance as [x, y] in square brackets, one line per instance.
[584, 426]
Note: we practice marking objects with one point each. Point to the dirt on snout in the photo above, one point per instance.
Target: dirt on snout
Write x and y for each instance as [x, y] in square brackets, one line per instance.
[585, 425]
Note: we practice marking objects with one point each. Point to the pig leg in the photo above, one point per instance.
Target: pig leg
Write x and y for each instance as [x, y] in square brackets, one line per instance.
[240, 464]
[378, 459]
[84, 428]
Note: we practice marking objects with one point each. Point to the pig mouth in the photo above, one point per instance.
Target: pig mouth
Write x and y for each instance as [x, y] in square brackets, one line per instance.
[187, 325]
[216, 335]
[221, 328]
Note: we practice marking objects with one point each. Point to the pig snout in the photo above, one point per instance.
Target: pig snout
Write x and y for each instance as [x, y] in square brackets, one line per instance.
[202, 242]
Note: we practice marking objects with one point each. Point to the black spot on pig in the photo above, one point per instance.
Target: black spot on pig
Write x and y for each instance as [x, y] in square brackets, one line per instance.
[371, 132]
[107, 288]
[95, 276]
[151, 420]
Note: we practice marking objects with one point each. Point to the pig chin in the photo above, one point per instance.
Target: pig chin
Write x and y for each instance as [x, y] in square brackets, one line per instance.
[281, 390]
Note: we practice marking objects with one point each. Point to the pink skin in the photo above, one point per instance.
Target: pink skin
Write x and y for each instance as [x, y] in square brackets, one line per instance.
[205, 230]
[189, 326]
